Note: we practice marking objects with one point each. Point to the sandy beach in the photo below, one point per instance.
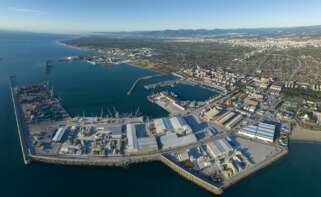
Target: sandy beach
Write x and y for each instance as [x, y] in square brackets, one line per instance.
[302, 134]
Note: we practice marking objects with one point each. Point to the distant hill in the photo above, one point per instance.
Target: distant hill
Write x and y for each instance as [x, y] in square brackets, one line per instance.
[308, 30]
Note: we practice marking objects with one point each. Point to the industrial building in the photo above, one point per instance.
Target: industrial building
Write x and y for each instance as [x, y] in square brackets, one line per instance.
[132, 138]
[183, 156]
[136, 143]
[225, 117]
[175, 124]
[59, 134]
[219, 149]
[116, 131]
[180, 125]
[249, 131]
[172, 140]
[210, 114]
[147, 144]
[263, 132]
[233, 122]
[163, 125]
[250, 105]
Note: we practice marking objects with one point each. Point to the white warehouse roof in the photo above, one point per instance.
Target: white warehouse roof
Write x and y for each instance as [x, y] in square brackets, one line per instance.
[263, 131]
[132, 138]
[147, 143]
[180, 125]
[172, 140]
[162, 125]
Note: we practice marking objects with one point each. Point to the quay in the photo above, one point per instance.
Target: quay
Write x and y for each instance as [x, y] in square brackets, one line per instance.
[20, 127]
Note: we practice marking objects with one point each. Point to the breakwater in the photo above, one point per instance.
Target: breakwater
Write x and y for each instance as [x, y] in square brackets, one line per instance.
[132, 88]
[20, 127]
[94, 161]
[189, 176]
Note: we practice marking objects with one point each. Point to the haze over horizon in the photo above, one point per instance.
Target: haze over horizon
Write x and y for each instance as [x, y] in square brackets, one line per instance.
[66, 16]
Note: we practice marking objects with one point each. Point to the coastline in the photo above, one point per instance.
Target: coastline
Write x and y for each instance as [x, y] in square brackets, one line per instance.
[61, 43]
[134, 64]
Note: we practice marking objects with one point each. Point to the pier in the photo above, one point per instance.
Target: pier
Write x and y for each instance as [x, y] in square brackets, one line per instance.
[136, 83]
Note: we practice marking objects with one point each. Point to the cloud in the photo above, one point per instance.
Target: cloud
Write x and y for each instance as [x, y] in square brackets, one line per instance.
[26, 10]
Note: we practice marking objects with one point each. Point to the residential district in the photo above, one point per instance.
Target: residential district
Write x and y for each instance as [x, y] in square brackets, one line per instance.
[213, 143]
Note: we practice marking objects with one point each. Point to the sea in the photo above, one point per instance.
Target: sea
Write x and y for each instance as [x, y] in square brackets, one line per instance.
[95, 90]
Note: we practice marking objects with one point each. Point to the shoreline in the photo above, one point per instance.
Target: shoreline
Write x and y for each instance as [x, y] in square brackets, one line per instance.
[148, 68]
[305, 135]
[61, 43]
[153, 68]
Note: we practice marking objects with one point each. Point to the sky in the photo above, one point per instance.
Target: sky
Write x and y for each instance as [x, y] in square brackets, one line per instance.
[84, 16]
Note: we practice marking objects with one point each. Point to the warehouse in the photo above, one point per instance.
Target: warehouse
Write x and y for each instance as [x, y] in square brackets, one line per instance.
[172, 140]
[147, 144]
[219, 149]
[234, 121]
[263, 132]
[137, 141]
[209, 115]
[225, 117]
[180, 125]
[163, 125]
[249, 131]
[116, 131]
[132, 138]
[59, 134]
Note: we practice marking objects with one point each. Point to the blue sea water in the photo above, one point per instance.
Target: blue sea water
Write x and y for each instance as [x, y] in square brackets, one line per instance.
[88, 89]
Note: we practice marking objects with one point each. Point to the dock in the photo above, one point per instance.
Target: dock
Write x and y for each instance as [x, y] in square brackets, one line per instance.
[20, 127]
[132, 88]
